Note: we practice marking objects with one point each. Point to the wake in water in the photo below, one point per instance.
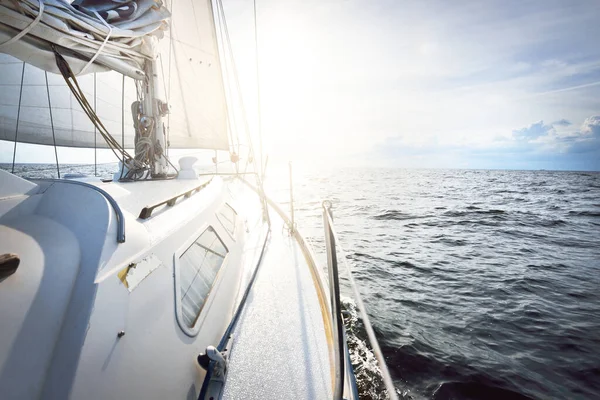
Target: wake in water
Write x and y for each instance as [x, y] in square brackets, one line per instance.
[366, 368]
[365, 365]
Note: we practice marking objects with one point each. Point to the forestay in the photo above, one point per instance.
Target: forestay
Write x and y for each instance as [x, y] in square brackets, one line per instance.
[117, 37]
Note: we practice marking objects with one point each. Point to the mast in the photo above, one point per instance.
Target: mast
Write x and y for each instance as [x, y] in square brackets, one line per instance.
[154, 109]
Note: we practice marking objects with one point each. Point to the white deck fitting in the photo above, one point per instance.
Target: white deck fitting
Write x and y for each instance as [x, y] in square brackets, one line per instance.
[280, 347]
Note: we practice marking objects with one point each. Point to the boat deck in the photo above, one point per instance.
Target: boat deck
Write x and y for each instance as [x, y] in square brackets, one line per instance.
[281, 349]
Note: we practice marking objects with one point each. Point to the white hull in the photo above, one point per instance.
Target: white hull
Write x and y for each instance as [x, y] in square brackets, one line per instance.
[86, 317]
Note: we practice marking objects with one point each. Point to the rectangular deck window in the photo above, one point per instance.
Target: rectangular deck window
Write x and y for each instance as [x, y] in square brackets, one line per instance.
[198, 269]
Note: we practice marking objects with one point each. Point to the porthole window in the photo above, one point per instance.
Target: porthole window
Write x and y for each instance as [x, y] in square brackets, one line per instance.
[228, 218]
[198, 268]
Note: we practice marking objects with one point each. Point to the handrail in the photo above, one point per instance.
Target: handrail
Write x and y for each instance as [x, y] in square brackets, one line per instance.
[146, 212]
[334, 291]
[108, 197]
[331, 238]
[340, 346]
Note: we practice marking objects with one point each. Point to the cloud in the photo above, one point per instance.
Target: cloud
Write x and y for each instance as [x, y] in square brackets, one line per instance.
[533, 131]
[591, 126]
[587, 139]
[542, 138]
[562, 122]
[538, 145]
[540, 130]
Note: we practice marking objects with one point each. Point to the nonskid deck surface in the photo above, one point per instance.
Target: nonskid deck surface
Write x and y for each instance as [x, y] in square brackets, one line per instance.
[280, 347]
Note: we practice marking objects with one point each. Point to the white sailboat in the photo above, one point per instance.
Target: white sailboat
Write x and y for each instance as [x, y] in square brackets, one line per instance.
[159, 283]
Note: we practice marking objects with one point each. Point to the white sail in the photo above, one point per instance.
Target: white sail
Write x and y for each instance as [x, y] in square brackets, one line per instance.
[189, 73]
[190, 61]
[72, 128]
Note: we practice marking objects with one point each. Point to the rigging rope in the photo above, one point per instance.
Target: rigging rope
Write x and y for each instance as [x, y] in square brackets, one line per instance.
[18, 115]
[259, 174]
[123, 113]
[52, 124]
[166, 130]
[138, 169]
[168, 93]
[262, 172]
[95, 133]
[228, 64]
[73, 85]
[238, 88]
[135, 165]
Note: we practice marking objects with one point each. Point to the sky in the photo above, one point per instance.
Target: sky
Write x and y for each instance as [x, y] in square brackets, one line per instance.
[425, 84]
[465, 84]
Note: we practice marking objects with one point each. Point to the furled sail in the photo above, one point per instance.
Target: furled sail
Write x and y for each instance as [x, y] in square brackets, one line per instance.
[109, 41]
[103, 31]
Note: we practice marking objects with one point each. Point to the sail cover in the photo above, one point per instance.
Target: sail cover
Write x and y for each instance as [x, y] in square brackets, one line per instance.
[118, 36]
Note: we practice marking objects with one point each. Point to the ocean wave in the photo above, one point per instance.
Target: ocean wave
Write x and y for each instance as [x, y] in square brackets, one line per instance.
[475, 390]
[395, 215]
[585, 213]
[474, 211]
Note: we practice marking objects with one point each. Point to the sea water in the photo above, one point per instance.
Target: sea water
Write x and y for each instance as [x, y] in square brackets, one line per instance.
[479, 284]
